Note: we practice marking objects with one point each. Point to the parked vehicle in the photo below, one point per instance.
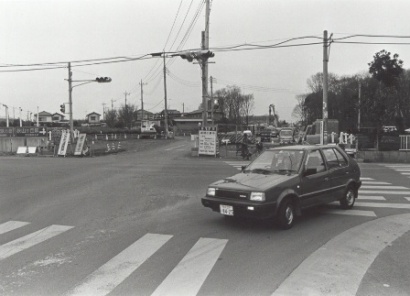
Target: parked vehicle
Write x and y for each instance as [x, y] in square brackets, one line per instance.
[286, 136]
[285, 180]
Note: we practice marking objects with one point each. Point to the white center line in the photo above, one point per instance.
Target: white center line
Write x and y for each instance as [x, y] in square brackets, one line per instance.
[30, 240]
[352, 213]
[189, 275]
[111, 274]
[11, 225]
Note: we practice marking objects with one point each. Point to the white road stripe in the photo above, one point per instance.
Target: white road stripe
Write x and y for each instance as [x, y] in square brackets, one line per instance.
[371, 197]
[375, 183]
[11, 225]
[352, 213]
[382, 187]
[189, 275]
[406, 174]
[111, 274]
[382, 205]
[402, 169]
[396, 165]
[30, 240]
[384, 192]
[366, 179]
[408, 198]
[338, 267]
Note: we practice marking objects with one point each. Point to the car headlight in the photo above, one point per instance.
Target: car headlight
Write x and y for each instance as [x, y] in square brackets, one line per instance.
[210, 191]
[257, 196]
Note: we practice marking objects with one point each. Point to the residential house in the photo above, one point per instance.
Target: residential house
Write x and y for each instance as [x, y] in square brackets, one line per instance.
[57, 117]
[44, 117]
[93, 118]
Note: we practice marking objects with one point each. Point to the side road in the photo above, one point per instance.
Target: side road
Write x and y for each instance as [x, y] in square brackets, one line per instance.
[355, 262]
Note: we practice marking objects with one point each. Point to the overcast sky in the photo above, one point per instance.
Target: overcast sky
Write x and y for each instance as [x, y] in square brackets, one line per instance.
[46, 31]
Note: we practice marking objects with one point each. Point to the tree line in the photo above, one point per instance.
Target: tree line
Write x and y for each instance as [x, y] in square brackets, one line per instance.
[381, 96]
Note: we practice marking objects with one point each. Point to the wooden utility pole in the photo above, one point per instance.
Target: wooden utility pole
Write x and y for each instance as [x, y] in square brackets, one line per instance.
[325, 85]
[165, 98]
[70, 101]
[212, 100]
[204, 65]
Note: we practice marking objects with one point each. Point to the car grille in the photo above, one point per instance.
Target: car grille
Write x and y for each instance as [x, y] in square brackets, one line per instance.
[231, 194]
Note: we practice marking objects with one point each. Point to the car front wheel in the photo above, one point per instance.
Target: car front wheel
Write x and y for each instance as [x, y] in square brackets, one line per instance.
[348, 199]
[286, 215]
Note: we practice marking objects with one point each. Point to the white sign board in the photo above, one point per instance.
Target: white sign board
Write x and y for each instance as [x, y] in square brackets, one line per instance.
[208, 141]
[62, 148]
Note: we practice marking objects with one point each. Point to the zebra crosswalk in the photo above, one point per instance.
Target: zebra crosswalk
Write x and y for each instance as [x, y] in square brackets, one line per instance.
[403, 169]
[186, 278]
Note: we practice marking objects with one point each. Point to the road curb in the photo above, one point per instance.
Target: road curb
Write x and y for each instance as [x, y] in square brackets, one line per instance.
[337, 268]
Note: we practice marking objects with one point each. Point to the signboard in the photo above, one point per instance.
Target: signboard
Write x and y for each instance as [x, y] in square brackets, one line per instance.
[62, 148]
[208, 141]
[80, 144]
[6, 131]
[28, 132]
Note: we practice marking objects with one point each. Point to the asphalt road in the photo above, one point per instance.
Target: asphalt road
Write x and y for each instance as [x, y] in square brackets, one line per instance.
[133, 224]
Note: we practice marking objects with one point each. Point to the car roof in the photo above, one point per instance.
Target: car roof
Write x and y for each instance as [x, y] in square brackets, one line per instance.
[302, 147]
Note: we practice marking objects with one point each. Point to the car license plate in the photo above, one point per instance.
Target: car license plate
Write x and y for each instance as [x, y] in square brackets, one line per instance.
[226, 210]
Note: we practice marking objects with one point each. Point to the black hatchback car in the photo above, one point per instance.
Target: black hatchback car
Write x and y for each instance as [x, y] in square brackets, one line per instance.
[285, 180]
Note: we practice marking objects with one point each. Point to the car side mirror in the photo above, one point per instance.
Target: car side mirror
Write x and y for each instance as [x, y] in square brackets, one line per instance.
[309, 171]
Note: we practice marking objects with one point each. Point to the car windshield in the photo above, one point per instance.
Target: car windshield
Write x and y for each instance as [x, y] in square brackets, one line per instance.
[277, 161]
[286, 133]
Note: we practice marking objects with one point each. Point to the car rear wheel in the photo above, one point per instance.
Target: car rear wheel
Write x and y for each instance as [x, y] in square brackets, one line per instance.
[348, 199]
[286, 215]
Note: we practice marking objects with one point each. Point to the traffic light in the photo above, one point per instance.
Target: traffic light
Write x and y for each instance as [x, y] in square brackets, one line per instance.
[216, 104]
[189, 57]
[197, 55]
[103, 79]
[62, 108]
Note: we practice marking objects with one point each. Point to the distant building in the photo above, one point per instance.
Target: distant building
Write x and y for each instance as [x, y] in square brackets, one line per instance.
[57, 117]
[93, 118]
[190, 122]
[44, 117]
[144, 115]
[171, 114]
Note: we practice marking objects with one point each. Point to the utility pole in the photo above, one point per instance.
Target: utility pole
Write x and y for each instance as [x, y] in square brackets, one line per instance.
[325, 85]
[212, 99]
[165, 98]
[112, 104]
[358, 111]
[126, 94]
[6, 108]
[20, 117]
[103, 104]
[204, 65]
[70, 101]
[37, 118]
[142, 100]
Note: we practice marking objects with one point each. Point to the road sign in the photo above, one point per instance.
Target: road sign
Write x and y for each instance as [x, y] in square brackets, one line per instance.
[208, 141]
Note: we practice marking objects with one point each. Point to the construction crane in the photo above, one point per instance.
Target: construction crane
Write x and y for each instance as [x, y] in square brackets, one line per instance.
[272, 118]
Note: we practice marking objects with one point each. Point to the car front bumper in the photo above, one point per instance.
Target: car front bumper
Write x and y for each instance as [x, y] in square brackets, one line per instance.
[255, 210]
